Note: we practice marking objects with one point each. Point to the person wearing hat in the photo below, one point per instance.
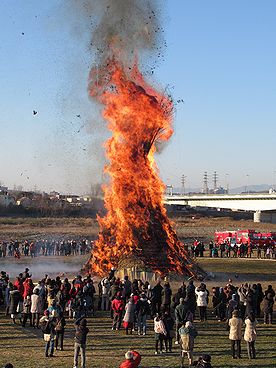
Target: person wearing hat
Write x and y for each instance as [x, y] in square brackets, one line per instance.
[187, 333]
[133, 359]
[235, 334]
[204, 361]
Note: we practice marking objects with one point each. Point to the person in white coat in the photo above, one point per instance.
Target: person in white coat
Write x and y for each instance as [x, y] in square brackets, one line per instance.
[35, 308]
[202, 301]
[250, 335]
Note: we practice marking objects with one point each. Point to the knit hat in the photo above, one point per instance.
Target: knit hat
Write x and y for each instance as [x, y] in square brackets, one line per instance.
[129, 355]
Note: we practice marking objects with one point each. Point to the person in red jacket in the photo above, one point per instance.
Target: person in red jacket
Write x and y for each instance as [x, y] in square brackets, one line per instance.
[118, 307]
[133, 359]
[28, 288]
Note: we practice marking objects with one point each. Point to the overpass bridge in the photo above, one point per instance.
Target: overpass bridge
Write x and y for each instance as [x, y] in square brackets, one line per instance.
[263, 205]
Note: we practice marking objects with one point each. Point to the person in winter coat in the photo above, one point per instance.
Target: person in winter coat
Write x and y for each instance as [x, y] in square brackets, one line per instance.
[268, 308]
[117, 306]
[142, 311]
[260, 297]
[133, 359]
[222, 299]
[242, 292]
[48, 325]
[169, 325]
[181, 313]
[187, 333]
[202, 301]
[160, 333]
[233, 304]
[250, 335]
[126, 288]
[35, 308]
[15, 298]
[80, 341]
[28, 287]
[60, 328]
[157, 298]
[270, 291]
[204, 361]
[235, 334]
[27, 311]
[167, 296]
[251, 302]
[19, 284]
[181, 293]
[129, 316]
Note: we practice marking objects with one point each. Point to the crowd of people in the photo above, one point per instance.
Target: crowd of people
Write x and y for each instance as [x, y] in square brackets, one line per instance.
[48, 304]
[71, 247]
[234, 250]
[45, 247]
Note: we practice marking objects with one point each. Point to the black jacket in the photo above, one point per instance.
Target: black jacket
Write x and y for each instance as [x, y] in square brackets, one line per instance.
[81, 331]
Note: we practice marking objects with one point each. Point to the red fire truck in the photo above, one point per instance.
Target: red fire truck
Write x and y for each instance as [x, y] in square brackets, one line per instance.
[245, 236]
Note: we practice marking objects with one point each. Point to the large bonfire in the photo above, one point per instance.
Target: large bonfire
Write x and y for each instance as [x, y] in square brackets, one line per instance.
[136, 227]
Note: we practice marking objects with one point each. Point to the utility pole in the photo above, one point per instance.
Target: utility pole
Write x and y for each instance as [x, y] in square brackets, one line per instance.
[215, 180]
[226, 183]
[183, 180]
[205, 183]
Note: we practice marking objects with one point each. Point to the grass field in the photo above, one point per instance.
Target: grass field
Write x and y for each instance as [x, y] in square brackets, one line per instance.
[106, 348]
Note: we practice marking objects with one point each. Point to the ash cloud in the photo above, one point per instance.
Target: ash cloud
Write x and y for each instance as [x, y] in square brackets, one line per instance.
[127, 26]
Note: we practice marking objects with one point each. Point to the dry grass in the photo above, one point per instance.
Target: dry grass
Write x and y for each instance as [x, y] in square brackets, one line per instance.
[106, 348]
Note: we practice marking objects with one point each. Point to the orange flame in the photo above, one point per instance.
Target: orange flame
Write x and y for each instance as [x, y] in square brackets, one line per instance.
[136, 221]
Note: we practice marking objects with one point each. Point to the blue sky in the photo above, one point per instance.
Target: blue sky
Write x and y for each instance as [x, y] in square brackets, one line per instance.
[220, 59]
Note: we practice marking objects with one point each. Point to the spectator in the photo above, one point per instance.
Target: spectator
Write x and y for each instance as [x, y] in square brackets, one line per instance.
[48, 325]
[133, 359]
[204, 361]
[80, 341]
[160, 333]
[169, 324]
[250, 335]
[129, 316]
[157, 298]
[202, 296]
[187, 335]
[167, 294]
[142, 311]
[27, 311]
[35, 308]
[268, 308]
[60, 328]
[235, 334]
[117, 306]
[14, 301]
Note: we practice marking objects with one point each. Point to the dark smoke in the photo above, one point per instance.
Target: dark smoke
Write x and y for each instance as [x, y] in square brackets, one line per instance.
[128, 26]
